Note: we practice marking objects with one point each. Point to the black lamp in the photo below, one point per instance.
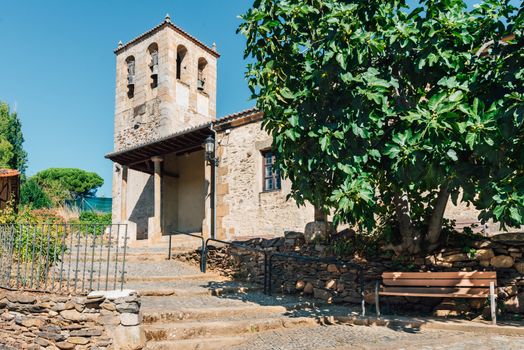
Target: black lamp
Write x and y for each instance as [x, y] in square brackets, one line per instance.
[209, 146]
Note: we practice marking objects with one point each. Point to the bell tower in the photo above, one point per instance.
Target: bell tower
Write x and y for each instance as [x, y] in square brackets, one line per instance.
[165, 83]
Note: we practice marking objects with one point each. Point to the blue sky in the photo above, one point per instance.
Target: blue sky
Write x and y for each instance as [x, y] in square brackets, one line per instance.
[58, 68]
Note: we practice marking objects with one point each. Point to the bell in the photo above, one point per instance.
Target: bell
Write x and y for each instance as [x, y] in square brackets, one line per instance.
[154, 70]
[131, 80]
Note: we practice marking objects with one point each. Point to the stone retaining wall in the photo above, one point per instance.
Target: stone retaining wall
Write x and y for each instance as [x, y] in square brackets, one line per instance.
[335, 284]
[98, 321]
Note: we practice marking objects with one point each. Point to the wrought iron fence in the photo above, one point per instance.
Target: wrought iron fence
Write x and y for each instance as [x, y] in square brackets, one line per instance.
[63, 258]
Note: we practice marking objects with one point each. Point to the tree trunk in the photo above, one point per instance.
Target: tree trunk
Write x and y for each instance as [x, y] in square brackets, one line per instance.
[435, 222]
[410, 237]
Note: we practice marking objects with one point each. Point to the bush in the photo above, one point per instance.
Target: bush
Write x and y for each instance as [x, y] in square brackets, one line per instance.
[95, 223]
[32, 194]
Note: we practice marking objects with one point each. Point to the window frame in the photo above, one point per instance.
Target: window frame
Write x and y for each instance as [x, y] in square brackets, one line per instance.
[275, 177]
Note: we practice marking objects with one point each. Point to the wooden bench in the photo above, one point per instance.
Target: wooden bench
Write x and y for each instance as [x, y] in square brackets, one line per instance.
[473, 284]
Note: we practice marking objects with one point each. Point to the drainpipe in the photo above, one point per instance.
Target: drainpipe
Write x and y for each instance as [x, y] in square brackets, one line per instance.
[214, 165]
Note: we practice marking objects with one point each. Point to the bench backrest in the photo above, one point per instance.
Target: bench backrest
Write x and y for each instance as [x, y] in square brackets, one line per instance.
[439, 279]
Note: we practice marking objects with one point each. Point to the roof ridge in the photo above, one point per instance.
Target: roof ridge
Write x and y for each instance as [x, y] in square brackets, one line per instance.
[167, 22]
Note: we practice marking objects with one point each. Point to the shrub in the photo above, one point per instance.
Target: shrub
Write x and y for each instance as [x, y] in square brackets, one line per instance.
[32, 194]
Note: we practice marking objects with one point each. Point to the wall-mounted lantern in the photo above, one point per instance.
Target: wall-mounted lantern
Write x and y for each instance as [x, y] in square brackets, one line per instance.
[209, 146]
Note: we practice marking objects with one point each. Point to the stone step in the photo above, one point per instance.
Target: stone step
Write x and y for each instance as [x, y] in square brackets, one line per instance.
[147, 290]
[200, 276]
[210, 313]
[196, 344]
[202, 329]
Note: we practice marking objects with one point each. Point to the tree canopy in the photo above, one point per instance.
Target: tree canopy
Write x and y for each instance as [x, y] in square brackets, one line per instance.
[380, 112]
[12, 153]
[77, 183]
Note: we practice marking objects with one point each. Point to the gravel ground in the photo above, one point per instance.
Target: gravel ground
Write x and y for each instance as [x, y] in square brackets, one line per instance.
[360, 337]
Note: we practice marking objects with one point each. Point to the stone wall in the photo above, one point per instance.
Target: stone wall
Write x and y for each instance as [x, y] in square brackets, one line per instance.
[101, 320]
[172, 106]
[243, 208]
[502, 253]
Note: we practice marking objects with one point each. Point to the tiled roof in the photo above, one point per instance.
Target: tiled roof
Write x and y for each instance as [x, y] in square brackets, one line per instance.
[8, 172]
[184, 140]
[167, 22]
[251, 112]
[203, 126]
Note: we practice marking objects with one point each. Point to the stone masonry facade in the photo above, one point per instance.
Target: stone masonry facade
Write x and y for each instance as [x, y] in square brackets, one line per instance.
[244, 209]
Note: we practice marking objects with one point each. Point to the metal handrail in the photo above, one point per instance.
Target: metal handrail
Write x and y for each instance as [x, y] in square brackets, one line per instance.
[360, 273]
[268, 261]
[239, 246]
[202, 248]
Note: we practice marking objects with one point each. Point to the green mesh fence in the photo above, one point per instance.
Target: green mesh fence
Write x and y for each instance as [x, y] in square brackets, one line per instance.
[97, 204]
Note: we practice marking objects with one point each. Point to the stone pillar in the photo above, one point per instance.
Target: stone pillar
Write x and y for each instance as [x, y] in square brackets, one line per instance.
[155, 232]
[123, 196]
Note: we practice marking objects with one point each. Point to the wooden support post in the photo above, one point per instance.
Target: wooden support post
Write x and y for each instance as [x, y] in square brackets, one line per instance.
[493, 303]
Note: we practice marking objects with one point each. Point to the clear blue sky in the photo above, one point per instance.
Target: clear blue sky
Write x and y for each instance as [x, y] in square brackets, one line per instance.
[58, 68]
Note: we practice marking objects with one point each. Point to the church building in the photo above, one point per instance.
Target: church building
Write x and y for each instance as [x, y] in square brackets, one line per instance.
[177, 166]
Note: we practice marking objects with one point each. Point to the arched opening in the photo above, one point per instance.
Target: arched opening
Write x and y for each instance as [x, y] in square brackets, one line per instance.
[130, 62]
[181, 67]
[153, 64]
[202, 70]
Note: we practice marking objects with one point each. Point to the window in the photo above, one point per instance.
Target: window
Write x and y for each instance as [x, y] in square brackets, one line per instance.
[181, 53]
[153, 65]
[201, 78]
[130, 61]
[272, 181]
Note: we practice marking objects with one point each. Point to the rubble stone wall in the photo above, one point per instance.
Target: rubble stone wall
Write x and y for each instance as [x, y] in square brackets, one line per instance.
[101, 320]
[503, 254]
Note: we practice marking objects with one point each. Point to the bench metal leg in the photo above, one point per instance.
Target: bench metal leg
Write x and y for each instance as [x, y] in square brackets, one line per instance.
[493, 303]
[377, 306]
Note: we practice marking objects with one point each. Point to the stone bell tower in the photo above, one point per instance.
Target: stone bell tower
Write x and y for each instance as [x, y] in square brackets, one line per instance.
[165, 83]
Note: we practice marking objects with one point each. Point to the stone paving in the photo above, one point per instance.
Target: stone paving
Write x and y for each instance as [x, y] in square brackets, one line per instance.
[362, 337]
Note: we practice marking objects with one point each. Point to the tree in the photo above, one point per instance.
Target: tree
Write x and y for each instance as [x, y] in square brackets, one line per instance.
[76, 183]
[6, 152]
[381, 113]
[33, 195]
[11, 131]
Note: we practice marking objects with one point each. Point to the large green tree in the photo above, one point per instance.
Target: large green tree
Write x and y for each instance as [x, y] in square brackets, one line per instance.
[380, 112]
[11, 131]
[64, 183]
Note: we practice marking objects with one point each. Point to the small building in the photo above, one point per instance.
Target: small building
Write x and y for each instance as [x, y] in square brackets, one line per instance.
[163, 179]
[9, 188]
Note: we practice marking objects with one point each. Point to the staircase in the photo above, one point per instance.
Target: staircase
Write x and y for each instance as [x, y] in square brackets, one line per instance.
[185, 309]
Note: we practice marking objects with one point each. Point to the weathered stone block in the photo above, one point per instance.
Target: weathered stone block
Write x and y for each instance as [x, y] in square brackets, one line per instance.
[502, 261]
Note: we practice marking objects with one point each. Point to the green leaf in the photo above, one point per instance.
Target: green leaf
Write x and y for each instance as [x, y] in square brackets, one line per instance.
[452, 154]
[470, 140]
[514, 214]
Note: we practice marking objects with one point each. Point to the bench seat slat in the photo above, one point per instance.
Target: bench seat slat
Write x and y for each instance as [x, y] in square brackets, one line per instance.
[436, 291]
[441, 275]
[438, 282]
[483, 296]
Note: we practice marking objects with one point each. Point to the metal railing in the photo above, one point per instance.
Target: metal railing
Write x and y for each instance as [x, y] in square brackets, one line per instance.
[63, 258]
[269, 256]
[238, 246]
[202, 249]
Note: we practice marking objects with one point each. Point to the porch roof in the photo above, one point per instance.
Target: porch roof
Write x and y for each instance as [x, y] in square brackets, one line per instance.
[139, 157]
